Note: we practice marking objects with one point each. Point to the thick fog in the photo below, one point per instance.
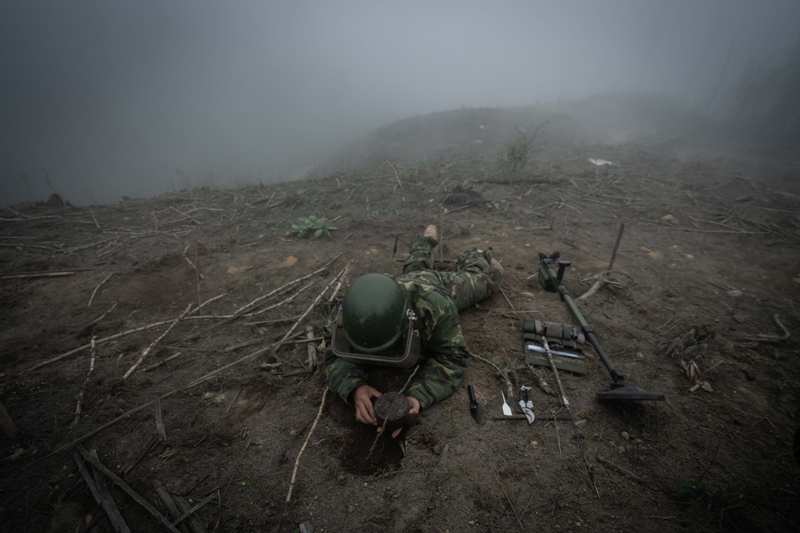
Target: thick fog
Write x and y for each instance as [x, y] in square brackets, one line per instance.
[100, 99]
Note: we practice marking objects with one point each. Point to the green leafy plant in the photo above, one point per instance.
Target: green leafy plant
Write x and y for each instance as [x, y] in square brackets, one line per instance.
[386, 509]
[312, 225]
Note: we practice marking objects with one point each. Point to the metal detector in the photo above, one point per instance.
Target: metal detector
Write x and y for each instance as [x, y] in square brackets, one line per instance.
[553, 282]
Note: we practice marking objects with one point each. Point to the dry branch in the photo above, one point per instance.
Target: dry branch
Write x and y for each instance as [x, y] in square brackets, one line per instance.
[149, 348]
[156, 365]
[124, 486]
[308, 437]
[85, 381]
[94, 292]
[112, 337]
[770, 338]
[314, 304]
[101, 495]
[540, 381]
[503, 373]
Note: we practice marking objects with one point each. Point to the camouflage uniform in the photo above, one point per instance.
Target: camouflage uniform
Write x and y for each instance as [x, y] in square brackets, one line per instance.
[436, 298]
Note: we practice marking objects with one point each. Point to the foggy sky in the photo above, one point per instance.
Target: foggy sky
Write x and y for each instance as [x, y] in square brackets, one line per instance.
[110, 97]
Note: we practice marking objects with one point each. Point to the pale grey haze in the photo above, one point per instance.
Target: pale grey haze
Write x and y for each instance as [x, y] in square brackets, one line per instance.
[108, 98]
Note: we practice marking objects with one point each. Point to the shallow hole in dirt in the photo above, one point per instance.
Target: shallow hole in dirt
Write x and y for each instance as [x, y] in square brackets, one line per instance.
[353, 449]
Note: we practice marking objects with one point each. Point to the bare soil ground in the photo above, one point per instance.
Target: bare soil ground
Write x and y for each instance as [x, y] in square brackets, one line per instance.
[707, 256]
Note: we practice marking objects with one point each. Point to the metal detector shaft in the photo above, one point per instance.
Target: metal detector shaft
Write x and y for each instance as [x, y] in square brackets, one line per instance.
[547, 263]
[553, 282]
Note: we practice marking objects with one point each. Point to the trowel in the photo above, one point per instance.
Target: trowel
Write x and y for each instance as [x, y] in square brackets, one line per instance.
[506, 407]
[474, 407]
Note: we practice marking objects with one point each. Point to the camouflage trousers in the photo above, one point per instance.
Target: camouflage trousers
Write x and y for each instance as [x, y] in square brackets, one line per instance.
[473, 281]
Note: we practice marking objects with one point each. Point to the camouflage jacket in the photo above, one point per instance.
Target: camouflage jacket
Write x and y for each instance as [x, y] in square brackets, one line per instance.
[444, 355]
[436, 298]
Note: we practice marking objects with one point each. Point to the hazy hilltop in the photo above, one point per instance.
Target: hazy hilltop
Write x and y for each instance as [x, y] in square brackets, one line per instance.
[650, 122]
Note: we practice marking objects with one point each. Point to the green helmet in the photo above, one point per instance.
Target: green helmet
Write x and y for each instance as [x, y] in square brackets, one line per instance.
[374, 313]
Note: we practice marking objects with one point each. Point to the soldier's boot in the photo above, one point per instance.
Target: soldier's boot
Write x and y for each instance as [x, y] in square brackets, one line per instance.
[496, 264]
[430, 231]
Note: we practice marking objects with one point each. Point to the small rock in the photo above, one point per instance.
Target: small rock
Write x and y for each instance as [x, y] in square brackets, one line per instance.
[472, 522]
[54, 479]
[735, 293]
[625, 435]
[667, 218]
[621, 449]
[351, 509]
[638, 441]
[437, 450]
[741, 319]
[580, 422]
[340, 477]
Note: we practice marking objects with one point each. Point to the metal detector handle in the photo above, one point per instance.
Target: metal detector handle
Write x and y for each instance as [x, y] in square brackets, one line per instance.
[616, 375]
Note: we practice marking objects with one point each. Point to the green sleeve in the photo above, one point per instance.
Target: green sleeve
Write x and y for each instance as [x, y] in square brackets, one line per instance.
[342, 375]
[441, 374]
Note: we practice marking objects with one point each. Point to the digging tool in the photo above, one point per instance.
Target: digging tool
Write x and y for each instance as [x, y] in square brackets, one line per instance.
[526, 404]
[534, 348]
[553, 282]
[506, 407]
[474, 407]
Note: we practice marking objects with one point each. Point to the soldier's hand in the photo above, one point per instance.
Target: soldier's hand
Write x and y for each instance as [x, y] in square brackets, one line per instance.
[413, 409]
[362, 399]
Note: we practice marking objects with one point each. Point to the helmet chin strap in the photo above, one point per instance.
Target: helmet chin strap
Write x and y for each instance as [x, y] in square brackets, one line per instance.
[408, 358]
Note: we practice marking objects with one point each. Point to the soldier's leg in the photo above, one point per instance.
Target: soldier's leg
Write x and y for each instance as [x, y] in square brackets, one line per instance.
[475, 279]
[421, 256]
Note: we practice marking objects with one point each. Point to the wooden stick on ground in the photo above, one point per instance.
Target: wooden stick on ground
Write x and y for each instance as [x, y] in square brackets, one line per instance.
[110, 338]
[308, 437]
[94, 292]
[156, 365]
[85, 381]
[101, 496]
[540, 381]
[503, 373]
[124, 486]
[770, 338]
[169, 503]
[616, 246]
[314, 303]
[149, 348]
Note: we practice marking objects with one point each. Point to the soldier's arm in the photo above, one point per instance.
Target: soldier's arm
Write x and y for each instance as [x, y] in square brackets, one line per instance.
[442, 373]
[343, 376]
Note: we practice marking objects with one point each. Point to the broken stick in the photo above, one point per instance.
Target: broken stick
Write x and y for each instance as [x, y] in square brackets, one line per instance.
[149, 348]
[83, 387]
[124, 486]
[101, 494]
[308, 437]
[94, 292]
